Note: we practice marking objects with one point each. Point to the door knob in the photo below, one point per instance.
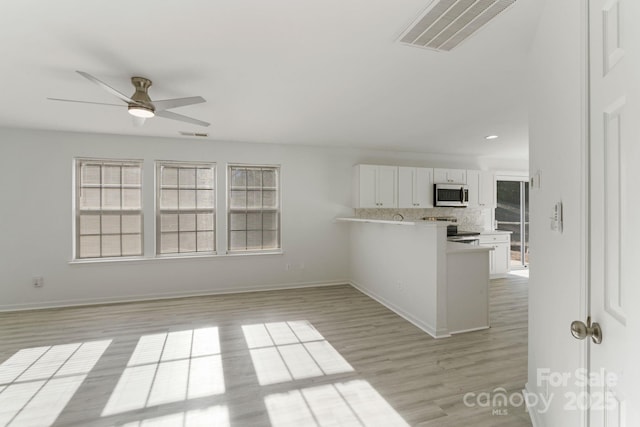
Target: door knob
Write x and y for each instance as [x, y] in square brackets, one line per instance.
[580, 331]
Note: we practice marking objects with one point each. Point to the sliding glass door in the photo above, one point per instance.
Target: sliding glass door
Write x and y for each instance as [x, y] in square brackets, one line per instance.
[512, 214]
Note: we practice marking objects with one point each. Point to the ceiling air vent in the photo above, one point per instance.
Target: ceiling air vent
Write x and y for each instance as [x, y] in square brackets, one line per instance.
[447, 23]
[202, 135]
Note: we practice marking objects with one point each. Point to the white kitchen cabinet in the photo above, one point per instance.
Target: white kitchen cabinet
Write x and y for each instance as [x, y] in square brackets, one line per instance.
[415, 187]
[449, 176]
[500, 257]
[375, 186]
[482, 192]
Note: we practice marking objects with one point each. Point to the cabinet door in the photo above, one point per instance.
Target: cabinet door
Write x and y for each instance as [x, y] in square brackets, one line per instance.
[501, 258]
[406, 181]
[423, 188]
[487, 189]
[386, 186]
[367, 175]
[474, 183]
[449, 176]
[440, 176]
[457, 176]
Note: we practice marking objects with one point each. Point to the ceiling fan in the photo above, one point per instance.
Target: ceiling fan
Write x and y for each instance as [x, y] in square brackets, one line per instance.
[140, 106]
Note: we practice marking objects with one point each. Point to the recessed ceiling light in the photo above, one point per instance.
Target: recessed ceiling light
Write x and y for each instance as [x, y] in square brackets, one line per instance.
[490, 137]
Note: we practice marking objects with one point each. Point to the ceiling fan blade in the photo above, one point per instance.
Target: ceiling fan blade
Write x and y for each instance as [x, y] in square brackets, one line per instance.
[167, 104]
[138, 121]
[106, 87]
[180, 117]
[83, 102]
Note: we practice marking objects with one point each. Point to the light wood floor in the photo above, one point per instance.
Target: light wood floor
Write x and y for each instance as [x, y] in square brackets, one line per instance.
[320, 356]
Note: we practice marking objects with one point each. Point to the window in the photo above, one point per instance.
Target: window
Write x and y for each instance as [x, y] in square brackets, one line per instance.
[185, 208]
[108, 208]
[253, 208]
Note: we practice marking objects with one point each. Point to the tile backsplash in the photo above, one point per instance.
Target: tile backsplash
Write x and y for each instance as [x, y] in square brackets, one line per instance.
[469, 219]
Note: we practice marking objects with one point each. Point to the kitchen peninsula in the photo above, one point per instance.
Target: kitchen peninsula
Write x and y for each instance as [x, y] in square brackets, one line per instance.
[409, 266]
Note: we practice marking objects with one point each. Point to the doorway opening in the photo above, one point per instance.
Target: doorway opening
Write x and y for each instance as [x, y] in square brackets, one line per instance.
[512, 214]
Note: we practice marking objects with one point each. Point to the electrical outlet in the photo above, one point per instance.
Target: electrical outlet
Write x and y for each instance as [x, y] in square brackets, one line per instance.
[38, 281]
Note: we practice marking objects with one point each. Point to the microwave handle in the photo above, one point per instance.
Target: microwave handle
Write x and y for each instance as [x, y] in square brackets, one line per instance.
[461, 194]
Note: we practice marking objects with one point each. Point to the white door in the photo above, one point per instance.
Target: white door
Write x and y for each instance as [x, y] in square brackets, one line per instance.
[367, 186]
[406, 183]
[387, 184]
[614, 211]
[424, 188]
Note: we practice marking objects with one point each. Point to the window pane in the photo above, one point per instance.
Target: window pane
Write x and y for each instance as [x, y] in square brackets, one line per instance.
[90, 198]
[254, 199]
[254, 239]
[238, 177]
[168, 243]
[131, 223]
[90, 175]
[238, 221]
[110, 224]
[269, 199]
[131, 175]
[205, 241]
[187, 177]
[187, 199]
[111, 175]
[238, 240]
[187, 242]
[187, 222]
[238, 199]
[132, 244]
[205, 178]
[169, 222]
[169, 199]
[254, 178]
[270, 220]
[89, 224]
[89, 246]
[131, 199]
[205, 199]
[169, 176]
[205, 222]
[111, 246]
[111, 198]
[269, 178]
[270, 239]
[254, 221]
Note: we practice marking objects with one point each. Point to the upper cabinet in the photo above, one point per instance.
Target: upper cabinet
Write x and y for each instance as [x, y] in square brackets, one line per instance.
[375, 186]
[482, 190]
[449, 176]
[415, 187]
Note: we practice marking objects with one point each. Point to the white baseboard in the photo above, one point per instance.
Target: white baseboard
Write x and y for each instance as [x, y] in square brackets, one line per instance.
[164, 295]
[408, 317]
[533, 413]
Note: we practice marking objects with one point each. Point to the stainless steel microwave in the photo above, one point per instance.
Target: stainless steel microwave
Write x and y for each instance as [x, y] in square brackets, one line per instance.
[454, 195]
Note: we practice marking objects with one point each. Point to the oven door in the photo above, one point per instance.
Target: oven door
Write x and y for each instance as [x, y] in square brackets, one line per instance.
[455, 195]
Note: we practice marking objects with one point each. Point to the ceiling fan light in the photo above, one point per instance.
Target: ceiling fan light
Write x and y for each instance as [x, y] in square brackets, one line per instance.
[140, 111]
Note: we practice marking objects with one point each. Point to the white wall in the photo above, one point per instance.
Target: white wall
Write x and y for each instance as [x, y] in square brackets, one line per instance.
[556, 140]
[36, 218]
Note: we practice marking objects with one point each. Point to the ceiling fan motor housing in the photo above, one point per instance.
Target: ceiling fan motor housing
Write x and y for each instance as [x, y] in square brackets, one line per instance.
[141, 97]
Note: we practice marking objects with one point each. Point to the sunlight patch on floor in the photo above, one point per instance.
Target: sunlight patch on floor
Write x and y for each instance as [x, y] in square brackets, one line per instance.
[287, 351]
[167, 368]
[520, 273]
[217, 416]
[37, 383]
[353, 403]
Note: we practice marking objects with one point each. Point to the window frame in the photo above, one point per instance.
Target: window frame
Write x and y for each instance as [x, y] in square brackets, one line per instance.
[78, 163]
[277, 209]
[158, 209]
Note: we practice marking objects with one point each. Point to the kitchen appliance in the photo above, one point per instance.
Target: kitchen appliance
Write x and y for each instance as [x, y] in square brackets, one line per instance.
[469, 237]
[452, 195]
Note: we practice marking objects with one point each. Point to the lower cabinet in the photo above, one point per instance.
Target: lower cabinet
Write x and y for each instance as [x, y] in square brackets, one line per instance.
[500, 256]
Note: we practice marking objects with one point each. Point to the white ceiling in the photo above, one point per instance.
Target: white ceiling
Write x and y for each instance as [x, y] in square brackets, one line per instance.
[323, 72]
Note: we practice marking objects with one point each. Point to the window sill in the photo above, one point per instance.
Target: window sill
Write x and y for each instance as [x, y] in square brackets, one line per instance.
[161, 258]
